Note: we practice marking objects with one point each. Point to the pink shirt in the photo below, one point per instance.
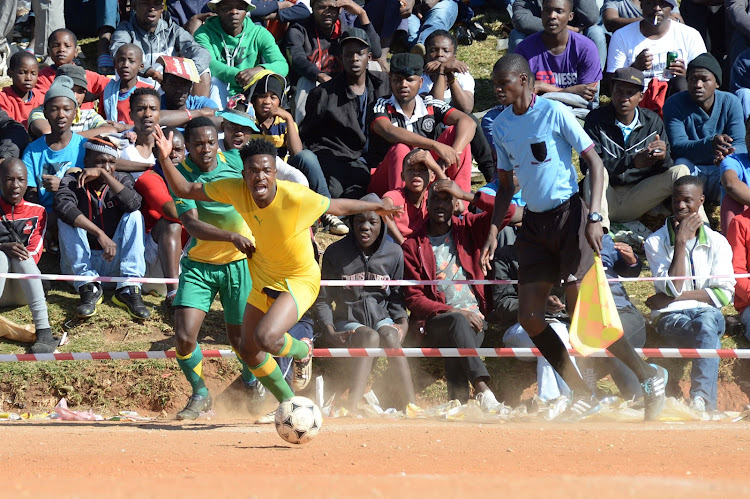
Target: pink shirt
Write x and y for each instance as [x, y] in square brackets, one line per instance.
[412, 217]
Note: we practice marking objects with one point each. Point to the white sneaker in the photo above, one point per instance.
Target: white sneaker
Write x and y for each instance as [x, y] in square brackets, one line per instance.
[698, 404]
[268, 418]
[489, 403]
[335, 225]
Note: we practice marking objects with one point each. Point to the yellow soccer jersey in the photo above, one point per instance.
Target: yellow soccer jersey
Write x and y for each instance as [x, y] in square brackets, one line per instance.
[283, 246]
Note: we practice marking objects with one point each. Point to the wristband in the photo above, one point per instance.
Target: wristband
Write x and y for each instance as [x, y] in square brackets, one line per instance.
[190, 116]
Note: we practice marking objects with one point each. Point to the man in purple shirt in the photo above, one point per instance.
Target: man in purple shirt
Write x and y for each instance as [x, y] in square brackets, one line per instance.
[565, 64]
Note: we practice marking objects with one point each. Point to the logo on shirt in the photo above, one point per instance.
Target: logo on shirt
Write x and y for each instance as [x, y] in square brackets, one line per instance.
[428, 124]
[539, 150]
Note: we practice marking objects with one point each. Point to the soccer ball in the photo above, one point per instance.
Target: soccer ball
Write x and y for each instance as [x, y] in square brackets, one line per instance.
[298, 420]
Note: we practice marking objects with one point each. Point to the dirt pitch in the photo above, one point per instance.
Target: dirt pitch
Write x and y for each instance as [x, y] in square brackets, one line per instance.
[375, 458]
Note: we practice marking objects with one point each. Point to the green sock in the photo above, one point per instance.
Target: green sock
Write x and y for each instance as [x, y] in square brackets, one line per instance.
[293, 348]
[192, 365]
[247, 376]
[270, 375]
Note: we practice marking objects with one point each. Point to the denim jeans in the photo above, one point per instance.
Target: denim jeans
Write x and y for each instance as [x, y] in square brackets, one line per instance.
[307, 162]
[598, 35]
[745, 319]
[711, 175]
[77, 257]
[744, 96]
[696, 328]
[107, 13]
[441, 16]
[514, 38]
[549, 384]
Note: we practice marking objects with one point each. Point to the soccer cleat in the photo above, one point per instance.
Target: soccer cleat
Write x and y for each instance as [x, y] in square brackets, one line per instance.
[488, 402]
[579, 408]
[255, 391]
[195, 406]
[45, 342]
[698, 404]
[335, 225]
[268, 418]
[129, 298]
[92, 295]
[654, 394]
[303, 369]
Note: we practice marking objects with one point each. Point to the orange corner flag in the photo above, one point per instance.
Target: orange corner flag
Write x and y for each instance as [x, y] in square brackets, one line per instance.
[596, 323]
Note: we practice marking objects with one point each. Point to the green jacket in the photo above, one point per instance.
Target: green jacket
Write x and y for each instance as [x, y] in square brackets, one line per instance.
[258, 46]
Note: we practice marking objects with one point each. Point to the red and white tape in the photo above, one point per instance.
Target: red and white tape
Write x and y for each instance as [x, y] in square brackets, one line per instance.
[667, 353]
[346, 283]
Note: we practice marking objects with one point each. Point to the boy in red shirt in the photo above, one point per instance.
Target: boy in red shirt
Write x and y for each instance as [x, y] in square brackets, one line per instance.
[19, 99]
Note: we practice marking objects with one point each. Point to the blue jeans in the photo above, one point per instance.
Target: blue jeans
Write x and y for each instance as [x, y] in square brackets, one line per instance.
[696, 328]
[77, 257]
[598, 35]
[514, 38]
[711, 175]
[307, 162]
[107, 13]
[745, 319]
[441, 16]
[744, 96]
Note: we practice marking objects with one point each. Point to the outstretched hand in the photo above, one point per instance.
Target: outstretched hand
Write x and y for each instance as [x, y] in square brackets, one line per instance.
[163, 143]
[388, 211]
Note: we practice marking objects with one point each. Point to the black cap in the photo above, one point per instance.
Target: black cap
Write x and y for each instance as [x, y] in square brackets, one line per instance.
[629, 75]
[355, 34]
[709, 62]
[76, 73]
[407, 64]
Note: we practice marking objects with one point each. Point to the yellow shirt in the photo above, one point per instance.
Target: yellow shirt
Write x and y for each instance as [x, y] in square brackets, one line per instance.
[283, 246]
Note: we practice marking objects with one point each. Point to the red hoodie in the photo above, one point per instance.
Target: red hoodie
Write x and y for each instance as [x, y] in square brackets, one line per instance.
[469, 235]
[29, 222]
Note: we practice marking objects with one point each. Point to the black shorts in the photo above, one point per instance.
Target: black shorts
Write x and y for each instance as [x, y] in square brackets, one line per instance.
[552, 245]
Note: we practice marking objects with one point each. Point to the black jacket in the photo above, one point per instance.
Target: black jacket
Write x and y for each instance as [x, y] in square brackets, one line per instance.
[618, 157]
[331, 128]
[13, 137]
[365, 305]
[70, 201]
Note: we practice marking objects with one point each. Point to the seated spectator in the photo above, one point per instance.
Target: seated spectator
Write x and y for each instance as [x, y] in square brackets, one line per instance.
[276, 125]
[238, 47]
[19, 98]
[739, 81]
[738, 20]
[427, 17]
[419, 171]
[735, 187]
[87, 122]
[178, 106]
[62, 46]
[619, 13]
[705, 124]
[618, 260]
[633, 145]
[190, 14]
[687, 312]
[738, 235]
[335, 127]
[314, 47]
[527, 20]
[116, 97]
[13, 137]
[447, 248]
[101, 230]
[48, 158]
[21, 240]
[563, 61]
[406, 120]
[276, 16]
[156, 37]
[448, 79]
[366, 317]
[645, 46]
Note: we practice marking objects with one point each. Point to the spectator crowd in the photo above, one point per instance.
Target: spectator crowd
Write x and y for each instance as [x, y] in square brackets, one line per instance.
[366, 99]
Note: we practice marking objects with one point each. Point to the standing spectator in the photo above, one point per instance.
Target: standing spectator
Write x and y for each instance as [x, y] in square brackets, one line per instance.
[705, 124]
[314, 46]
[238, 47]
[563, 61]
[21, 240]
[13, 137]
[407, 120]
[633, 145]
[687, 312]
[645, 46]
[447, 248]
[48, 17]
[335, 126]
[101, 230]
[156, 37]
[366, 317]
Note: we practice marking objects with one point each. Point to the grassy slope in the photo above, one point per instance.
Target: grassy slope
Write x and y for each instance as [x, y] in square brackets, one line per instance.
[158, 385]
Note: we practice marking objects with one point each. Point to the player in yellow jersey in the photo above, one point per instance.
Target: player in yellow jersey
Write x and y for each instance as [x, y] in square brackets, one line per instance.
[285, 274]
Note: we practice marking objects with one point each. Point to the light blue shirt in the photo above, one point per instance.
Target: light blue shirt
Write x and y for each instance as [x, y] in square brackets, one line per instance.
[538, 146]
[740, 164]
[627, 129]
[41, 160]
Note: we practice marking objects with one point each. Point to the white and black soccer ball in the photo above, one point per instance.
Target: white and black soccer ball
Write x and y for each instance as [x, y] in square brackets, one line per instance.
[298, 420]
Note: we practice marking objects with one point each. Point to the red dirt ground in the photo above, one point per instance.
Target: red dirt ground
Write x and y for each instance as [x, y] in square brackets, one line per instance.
[375, 458]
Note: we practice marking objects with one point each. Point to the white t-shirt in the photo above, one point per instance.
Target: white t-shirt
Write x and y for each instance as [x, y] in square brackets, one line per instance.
[465, 81]
[628, 41]
[130, 153]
